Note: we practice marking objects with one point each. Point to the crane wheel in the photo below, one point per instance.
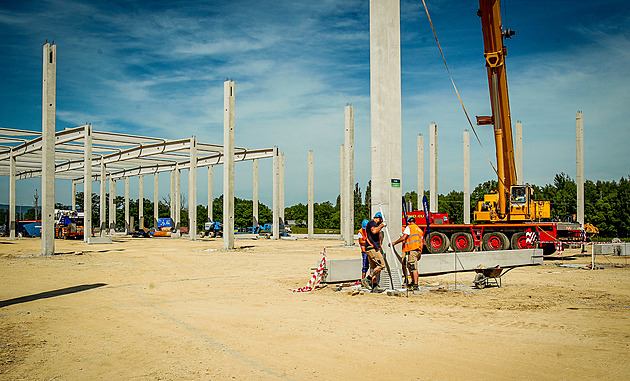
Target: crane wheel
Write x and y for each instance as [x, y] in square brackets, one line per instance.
[437, 243]
[519, 241]
[462, 242]
[495, 241]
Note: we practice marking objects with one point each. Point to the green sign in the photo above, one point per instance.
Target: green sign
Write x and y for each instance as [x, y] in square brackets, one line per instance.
[395, 183]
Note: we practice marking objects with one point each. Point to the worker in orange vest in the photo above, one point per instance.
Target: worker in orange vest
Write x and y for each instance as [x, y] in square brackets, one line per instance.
[363, 242]
[413, 241]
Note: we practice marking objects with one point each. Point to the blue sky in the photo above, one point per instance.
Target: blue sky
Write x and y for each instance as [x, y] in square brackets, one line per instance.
[157, 68]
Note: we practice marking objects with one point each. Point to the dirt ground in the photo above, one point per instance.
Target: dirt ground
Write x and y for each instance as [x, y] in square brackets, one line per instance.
[167, 309]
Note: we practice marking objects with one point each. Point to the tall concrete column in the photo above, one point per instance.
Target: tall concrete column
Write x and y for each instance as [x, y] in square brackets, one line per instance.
[12, 223]
[49, 101]
[172, 206]
[192, 191]
[178, 202]
[141, 201]
[518, 152]
[348, 177]
[281, 178]
[228, 164]
[87, 182]
[156, 199]
[420, 189]
[433, 164]
[74, 195]
[255, 194]
[276, 195]
[342, 200]
[385, 109]
[210, 195]
[579, 129]
[128, 226]
[466, 177]
[311, 210]
[112, 206]
[102, 207]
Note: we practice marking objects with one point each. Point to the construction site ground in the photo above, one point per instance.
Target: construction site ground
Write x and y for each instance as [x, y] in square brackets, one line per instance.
[171, 309]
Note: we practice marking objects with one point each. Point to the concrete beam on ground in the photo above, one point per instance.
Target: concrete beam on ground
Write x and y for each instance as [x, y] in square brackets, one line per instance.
[228, 166]
[255, 193]
[192, 191]
[348, 177]
[49, 104]
[87, 183]
[433, 164]
[579, 129]
[102, 197]
[385, 110]
[311, 193]
[420, 189]
[466, 177]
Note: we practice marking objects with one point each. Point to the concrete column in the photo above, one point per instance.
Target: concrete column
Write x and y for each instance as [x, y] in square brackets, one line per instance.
[276, 195]
[255, 195]
[12, 223]
[518, 152]
[128, 226]
[156, 199]
[228, 164]
[420, 171]
[342, 200]
[49, 101]
[112, 206]
[141, 201]
[102, 207]
[579, 129]
[172, 206]
[192, 191]
[210, 195]
[281, 178]
[74, 195]
[385, 109]
[433, 164]
[466, 177]
[311, 210]
[348, 177]
[178, 203]
[87, 182]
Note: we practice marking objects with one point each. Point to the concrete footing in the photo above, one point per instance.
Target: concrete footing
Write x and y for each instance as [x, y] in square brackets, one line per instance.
[612, 249]
[99, 240]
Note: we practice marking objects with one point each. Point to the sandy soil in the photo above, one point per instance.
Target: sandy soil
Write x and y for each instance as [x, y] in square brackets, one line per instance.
[166, 309]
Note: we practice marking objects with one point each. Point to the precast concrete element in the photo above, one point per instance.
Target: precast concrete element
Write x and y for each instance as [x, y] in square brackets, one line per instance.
[281, 174]
[74, 195]
[192, 191]
[433, 168]
[156, 200]
[579, 129]
[348, 269]
[228, 165]
[385, 110]
[342, 201]
[87, 183]
[348, 177]
[99, 240]
[172, 206]
[255, 193]
[49, 102]
[420, 171]
[127, 216]
[102, 207]
[518, 152]
[112, 206]
[12, 223]
[466, 177]
[210, 194]
[275, 233]
[141, 201]
[311, 198]
[178, 198]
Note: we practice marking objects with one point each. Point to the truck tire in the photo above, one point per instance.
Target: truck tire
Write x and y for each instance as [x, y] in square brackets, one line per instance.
[519, 241]
[437, 243]
[495, 241]
[462, 242]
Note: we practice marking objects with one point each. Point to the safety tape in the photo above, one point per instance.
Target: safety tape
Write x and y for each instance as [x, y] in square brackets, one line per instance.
[317, 276]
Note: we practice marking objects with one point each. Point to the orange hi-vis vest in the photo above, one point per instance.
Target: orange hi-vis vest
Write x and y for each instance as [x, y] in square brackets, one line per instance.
[415, 240]
[364, 236]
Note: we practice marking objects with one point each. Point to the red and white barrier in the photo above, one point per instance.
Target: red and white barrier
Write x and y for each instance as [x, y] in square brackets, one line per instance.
[317, 276]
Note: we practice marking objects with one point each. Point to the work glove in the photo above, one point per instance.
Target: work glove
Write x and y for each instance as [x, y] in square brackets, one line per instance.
[384, 223]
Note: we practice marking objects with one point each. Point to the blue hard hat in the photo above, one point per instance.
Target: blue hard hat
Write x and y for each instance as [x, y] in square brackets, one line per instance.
[411, 220]
[378, 215]
[364, 223]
